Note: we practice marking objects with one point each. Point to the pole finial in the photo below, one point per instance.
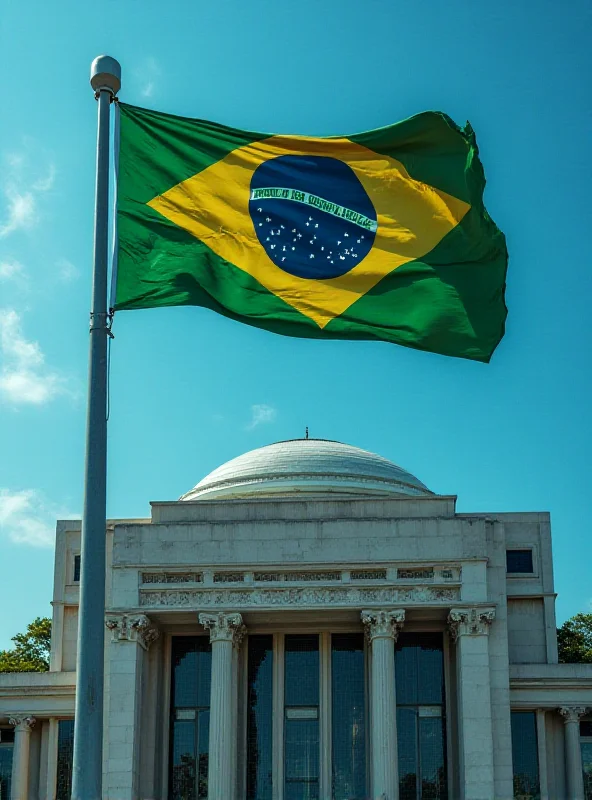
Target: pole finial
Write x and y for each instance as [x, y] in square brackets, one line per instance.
[105, 73]
[306, 432]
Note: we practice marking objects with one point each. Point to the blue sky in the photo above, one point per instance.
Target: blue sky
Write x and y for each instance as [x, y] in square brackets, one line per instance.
[190, 390]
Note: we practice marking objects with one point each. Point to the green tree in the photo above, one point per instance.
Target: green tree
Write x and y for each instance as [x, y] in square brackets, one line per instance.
[31, 649]
[574, 639]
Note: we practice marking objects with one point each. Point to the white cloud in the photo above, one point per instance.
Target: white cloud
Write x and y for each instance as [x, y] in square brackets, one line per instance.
[148, 89]
[21, 211]
[67, 271]
[22, 188]
[147, 75]
[261, 414]
[27, 517]
[11, 270]
[24, 379]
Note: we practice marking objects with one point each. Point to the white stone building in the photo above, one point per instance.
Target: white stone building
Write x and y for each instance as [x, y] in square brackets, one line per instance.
[311, 622]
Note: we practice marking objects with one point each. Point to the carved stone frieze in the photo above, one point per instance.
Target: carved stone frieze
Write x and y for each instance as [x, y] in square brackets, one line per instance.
[224, 627]
[572, 713]
[470, 621]
[22, 722]
[132, 628]
[298, 597]
[383, 624]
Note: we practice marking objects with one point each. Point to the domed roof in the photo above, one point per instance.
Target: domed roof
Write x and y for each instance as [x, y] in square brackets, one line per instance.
[311, 466]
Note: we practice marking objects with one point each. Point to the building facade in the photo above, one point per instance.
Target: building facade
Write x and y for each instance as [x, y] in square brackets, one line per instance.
[310, 622]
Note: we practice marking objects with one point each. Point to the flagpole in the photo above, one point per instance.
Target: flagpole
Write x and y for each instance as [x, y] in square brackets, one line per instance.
[105, 79]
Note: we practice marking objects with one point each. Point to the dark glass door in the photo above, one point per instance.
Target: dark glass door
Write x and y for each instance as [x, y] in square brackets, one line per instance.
[421, 721]
[348, 689]
[190, 717]
[301, 720]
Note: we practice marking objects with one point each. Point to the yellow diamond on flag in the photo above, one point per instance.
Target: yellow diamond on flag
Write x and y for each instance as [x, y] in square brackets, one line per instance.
[406, 218]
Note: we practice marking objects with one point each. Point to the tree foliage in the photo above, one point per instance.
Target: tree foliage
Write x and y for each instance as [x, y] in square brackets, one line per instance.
[574, 639]
[31, 649]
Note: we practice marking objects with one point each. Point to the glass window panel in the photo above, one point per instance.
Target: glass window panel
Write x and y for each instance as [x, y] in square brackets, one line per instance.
[192, 661]
[407, 750]
[586, 728]
[525, 755]
[6, 750]
[406, 672]
[433, 768]
[190, 693]
[301, 670]
[519, 561]
[65, 754]
[259, 718]
[430, 671]
[302, 759]
[348, 716]
[419, 671]
[301, 736]
[587, 767]
[183, 780]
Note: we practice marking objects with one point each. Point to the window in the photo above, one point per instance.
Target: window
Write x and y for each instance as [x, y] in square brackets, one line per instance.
[259, 718]
[306, 716]
[586, 745]
[421, 730]
[76, 569]
[301, 722]
[6, 748]
[297, 739]
[65, 755]
[348, 709]
[519, 561]
[525, 755]
[190, 717]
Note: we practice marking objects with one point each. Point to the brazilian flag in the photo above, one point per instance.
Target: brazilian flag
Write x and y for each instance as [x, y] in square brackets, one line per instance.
[380, 235]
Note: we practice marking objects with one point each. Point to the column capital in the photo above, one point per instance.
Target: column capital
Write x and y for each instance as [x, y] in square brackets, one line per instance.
[22, 723]
[572, 713]
[383, 624]
[224, 627]
[470, 621]
[132, 628]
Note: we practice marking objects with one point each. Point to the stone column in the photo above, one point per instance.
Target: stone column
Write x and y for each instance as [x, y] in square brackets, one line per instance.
[382, 629]
[226, 632]
[131, 636]
[20, 758]
[573, 754]
[470, 628]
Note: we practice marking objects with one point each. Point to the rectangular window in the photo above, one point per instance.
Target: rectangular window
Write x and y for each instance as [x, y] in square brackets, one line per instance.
[259, 717]
[76, 569]
[6, 749]
[421, 730]
[190, 717]
[65, 756]
[525, 756]
[348, 716]
[519, 561]
[301, 723]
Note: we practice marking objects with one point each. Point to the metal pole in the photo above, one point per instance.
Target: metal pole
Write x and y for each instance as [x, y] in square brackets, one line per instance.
[88, 721]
